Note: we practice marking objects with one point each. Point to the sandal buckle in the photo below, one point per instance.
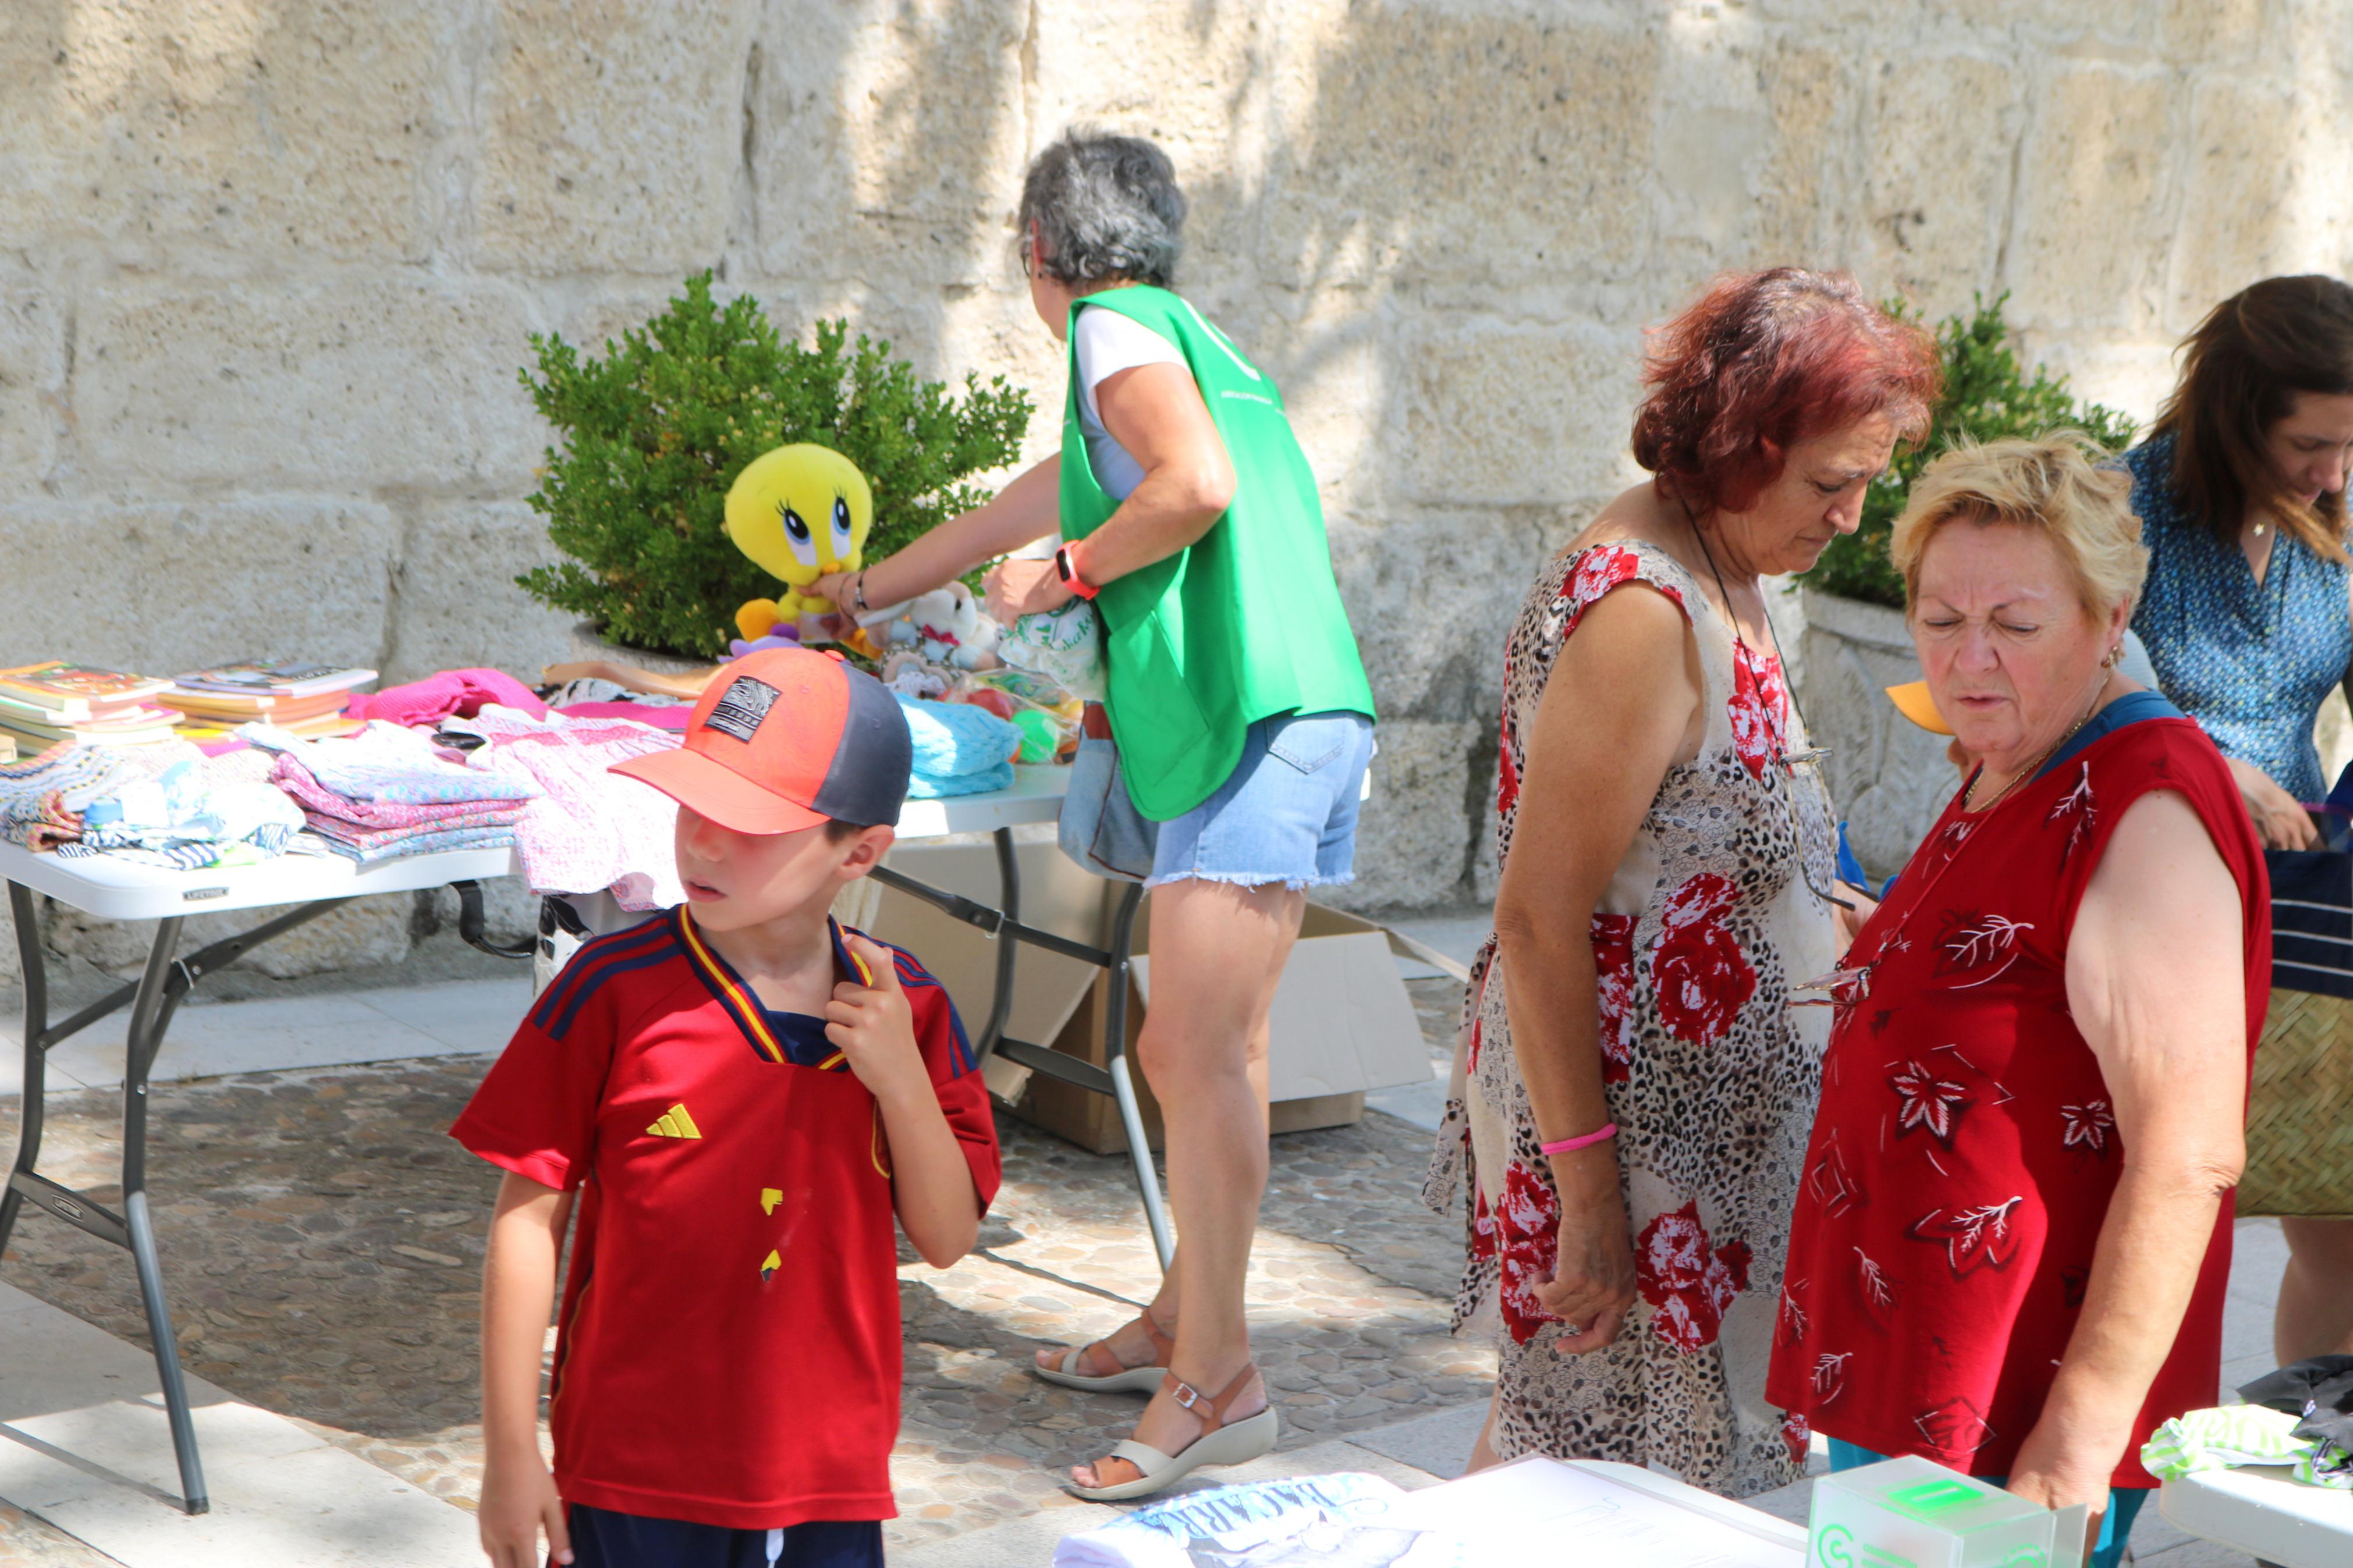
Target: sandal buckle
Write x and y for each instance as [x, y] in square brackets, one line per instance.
[1186, 1395]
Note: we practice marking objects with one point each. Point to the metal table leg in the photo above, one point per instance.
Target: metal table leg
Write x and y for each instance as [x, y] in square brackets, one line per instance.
[1113, 1079]
[154, 998]
[151, 1014]
[1008, 942]
[37, 1063]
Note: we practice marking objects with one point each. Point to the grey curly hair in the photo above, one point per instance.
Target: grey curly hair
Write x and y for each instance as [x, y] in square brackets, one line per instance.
[1105, 207]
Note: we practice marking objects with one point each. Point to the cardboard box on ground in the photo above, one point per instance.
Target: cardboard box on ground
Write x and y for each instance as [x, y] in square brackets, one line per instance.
[1342, 1021]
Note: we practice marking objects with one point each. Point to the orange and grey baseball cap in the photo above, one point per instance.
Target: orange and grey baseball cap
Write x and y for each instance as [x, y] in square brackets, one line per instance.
[785, 738]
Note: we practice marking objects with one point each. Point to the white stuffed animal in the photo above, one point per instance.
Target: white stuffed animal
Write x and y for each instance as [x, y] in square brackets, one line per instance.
[949, 627]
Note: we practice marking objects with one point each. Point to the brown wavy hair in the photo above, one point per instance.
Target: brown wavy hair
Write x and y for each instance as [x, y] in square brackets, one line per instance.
[1774, 356]
[2239, 374]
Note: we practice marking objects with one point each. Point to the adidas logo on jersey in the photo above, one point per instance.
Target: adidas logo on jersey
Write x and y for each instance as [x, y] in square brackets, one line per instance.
[675, 1124]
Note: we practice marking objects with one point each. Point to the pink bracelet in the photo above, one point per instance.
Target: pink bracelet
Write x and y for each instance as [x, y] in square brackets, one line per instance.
[1607, 1131]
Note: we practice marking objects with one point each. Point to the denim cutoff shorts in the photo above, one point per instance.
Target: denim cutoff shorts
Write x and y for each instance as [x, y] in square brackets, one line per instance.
[1287, 813]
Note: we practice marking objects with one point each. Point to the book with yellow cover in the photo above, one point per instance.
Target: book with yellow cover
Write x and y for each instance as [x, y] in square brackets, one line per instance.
[76, 691]
[127, 726]
[240, 710]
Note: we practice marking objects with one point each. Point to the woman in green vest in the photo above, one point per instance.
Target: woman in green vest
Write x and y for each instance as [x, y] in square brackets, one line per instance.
[1244, 725]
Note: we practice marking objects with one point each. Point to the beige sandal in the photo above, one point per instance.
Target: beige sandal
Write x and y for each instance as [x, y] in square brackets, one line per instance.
[1082, 1366]
[1219, 1444]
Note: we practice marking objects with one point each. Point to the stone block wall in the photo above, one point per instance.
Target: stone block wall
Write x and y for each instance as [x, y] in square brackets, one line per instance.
[268, 267]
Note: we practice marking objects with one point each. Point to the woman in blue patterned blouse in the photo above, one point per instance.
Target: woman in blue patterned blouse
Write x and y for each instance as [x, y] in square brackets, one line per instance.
[2240, 491]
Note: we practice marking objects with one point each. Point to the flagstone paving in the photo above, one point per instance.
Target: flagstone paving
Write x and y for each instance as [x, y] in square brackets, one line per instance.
[321, 1238]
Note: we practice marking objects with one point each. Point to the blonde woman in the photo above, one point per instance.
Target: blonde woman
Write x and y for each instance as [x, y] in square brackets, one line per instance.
[2014, 1226]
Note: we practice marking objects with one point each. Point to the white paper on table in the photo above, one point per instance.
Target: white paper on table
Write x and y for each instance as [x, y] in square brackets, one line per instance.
[1342, 1521]
[1540, 1511]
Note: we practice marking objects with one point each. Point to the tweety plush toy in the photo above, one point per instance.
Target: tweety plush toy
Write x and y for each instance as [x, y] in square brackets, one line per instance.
[800, 512]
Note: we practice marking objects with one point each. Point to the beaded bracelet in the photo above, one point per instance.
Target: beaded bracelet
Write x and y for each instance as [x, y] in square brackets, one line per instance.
[1607, 1129]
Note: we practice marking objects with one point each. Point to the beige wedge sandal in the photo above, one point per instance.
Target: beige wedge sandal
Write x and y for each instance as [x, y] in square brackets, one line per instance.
[1221, 1443]
[1083, 1366]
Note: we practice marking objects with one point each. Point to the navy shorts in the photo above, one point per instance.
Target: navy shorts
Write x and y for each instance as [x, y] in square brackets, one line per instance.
[603, 1539]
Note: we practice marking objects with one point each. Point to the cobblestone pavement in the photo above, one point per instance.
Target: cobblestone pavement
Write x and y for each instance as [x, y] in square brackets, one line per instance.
[321, 1238]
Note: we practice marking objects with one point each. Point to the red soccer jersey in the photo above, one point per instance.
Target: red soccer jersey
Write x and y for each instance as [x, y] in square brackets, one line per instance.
[729, 1348]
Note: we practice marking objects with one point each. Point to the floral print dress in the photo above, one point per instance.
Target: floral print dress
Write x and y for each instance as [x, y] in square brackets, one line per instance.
[1709, 922]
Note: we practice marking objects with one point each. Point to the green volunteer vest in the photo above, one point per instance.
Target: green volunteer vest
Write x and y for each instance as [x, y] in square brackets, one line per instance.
[1244, 624]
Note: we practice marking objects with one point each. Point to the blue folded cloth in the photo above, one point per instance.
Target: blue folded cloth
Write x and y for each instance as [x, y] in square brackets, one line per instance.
[955, 741]
[927, 787]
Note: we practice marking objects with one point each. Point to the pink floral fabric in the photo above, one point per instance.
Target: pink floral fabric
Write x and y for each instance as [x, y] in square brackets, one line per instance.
[1758, 710]
[1613, 967]
[1690, 1282]
[1703, 979]
[1527, 1239]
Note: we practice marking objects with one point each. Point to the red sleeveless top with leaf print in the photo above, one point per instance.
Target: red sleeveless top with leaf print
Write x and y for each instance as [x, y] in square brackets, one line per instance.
[1965, 1152]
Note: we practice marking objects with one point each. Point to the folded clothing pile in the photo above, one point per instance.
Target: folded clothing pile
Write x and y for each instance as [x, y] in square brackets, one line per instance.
[960, 749]
[165, 804]
[588, 697]
[191, 809]
[587, 829]
[42, 797]
[388, 793]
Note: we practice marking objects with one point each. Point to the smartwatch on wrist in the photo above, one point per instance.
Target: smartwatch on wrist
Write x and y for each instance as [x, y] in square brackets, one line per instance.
[1067, 569]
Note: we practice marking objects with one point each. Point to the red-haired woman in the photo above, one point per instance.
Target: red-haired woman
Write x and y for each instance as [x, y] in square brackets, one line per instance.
[1631, 1095]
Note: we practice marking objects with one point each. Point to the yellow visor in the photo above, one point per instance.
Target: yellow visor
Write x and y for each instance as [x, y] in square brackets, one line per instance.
[1915, 703]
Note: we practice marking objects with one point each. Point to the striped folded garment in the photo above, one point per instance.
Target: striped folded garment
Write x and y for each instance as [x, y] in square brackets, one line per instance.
[354, 836]
[410, 844]
[2233, 1435]
[318, 801]
[958, 749]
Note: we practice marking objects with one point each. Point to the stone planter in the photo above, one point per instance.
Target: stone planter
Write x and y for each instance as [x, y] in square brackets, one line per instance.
[1888, 777]
[588, 643]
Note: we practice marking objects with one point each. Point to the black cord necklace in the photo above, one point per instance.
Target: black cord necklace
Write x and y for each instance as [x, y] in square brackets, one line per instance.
[1789, 761]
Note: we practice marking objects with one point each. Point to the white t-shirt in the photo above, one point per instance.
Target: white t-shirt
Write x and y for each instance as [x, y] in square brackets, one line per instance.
[1109, 343]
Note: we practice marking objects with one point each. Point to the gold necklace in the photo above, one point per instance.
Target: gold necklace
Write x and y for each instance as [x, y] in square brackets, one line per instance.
[2031, 769]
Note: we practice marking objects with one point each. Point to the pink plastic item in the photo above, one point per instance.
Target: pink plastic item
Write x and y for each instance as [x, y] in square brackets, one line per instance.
[1607, 1131]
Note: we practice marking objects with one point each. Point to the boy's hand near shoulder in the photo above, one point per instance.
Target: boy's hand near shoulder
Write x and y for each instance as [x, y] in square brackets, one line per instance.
[932, 1183]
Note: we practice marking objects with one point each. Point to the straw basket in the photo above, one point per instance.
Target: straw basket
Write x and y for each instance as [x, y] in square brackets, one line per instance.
[2300, 1112]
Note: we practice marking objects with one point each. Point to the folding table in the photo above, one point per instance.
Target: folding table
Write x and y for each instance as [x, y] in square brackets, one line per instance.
[2265, 1511]
[119, 889]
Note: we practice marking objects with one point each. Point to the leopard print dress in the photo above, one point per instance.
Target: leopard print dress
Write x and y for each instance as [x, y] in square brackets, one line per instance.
[1709, 924]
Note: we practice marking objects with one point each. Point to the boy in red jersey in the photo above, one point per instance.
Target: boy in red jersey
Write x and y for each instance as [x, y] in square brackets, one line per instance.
[743, 1095]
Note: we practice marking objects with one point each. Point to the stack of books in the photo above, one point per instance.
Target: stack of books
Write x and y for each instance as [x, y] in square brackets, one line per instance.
[302, 698]
[42, 704]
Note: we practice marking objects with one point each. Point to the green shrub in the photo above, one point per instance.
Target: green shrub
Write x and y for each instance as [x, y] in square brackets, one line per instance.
[1985, 397]
[652, 435]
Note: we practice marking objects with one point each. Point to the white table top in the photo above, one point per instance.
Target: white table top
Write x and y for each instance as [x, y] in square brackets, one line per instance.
[2265, 1510]
[119, 890]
